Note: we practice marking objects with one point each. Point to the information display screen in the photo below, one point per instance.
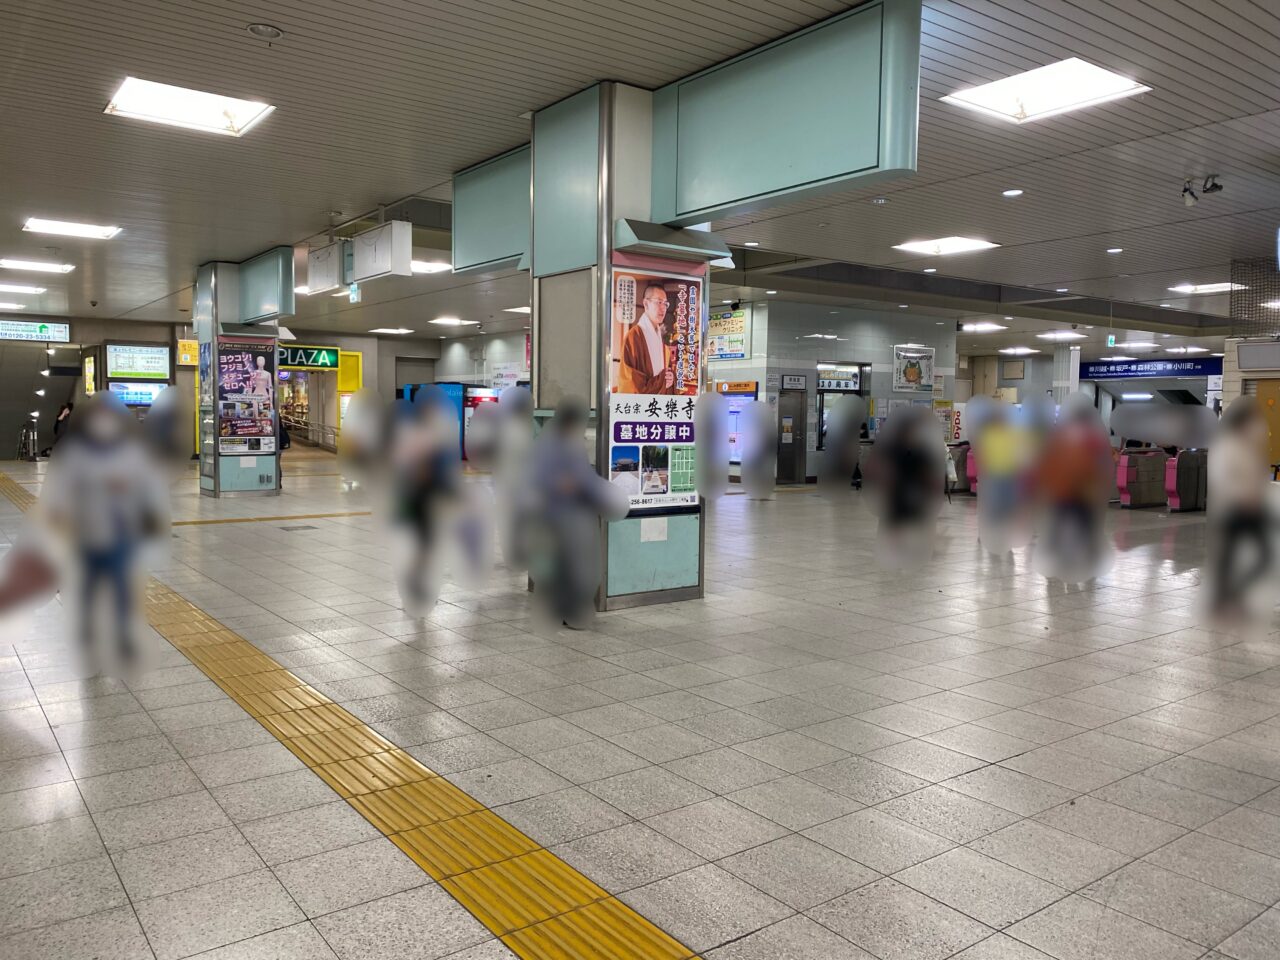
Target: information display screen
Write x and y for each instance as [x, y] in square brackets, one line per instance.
[128, 361]
[134, 394]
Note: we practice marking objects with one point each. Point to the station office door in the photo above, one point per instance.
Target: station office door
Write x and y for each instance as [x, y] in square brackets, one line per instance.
[791, 436]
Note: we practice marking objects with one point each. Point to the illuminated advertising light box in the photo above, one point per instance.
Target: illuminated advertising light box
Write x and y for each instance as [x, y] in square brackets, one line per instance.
[131, 361]
[37, 331]
[188, 353]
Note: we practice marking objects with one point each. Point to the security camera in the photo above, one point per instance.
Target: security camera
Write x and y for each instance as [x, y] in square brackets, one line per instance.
[735, 305]
[1075, 326]
[1211, 184]
[1189, 197]
[93, 303]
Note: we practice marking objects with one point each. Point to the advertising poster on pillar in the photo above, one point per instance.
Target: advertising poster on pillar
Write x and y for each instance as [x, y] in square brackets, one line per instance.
[659, 334]
[912, 368]
[246, 395]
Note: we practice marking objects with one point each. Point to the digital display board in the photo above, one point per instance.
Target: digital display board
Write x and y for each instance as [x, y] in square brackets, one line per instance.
[129, 361]
[134, 394]
[35, 330]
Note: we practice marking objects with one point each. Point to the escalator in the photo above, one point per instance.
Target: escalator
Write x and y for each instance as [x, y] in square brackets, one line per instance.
[21, 366]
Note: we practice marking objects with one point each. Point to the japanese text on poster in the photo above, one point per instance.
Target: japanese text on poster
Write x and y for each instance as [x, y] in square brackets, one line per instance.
[658, 326]
[246, 395]
[651, 449]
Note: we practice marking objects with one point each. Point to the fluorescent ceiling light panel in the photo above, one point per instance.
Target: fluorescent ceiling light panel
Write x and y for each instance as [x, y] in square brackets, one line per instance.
[819, 336]
[39, 266]
[1270, 304]
[518, 310]
[430, 266]
[1207, 287]
[1186, 350]
[24, 288]
[1117, 358]
[65, 228]
[1136, 396]
[945, 245]
[303, 290]
[985, 326]
[1046, 91]
[1062, 335]
[455, 322]
[13, 306]
[398, 331]
[1015, 192]
[1140, 345]
[191, 109]
[1019, 351]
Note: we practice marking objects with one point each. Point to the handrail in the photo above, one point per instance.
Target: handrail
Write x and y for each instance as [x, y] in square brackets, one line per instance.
[311, 432]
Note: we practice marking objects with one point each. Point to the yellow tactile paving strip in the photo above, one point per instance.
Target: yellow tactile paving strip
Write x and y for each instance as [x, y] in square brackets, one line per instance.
[296, 516]
[540, 907]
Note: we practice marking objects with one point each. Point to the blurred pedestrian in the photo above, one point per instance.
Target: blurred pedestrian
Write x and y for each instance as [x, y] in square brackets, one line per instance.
[62, 421]
[906, 473]
[1241, 553]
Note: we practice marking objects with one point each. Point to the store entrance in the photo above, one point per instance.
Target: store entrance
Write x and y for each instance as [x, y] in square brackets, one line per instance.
[309, 406]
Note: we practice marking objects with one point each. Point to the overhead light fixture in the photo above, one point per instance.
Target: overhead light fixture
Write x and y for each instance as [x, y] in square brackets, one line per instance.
[1061, 289]
[36, 414]
[265, 31]
[1166, 305]
[430, 266]
[902, 306]
[45, 372]
[341, 293]
[303, 290]
[1140, 345]
[879, 201]
[1117, 358]
[945, 246]
[726, 301]
[1011, 193]
[39, 266]
[51, 350]
[191, 109]
[1270, 304]
[1137, 396]
[1046, 91]
[64, 228]
[1062, 335]
[40, 392]
[518, 310]
[1186, 349]
[752, 243]
[1114, 250]
[13, 306]
[24, 288]
[771, 292]
[455, 322]
[1217, 354]
[396, 331]
[1190, 288]
[1008, 318]
[819, 336]
[930, 269]
[984, 326]
[1019, 351]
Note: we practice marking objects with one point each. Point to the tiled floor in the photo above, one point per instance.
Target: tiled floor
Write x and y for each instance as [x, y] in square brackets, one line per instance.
[820, 761]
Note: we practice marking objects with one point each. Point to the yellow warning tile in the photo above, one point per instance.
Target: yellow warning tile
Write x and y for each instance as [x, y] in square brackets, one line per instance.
[298, 723]
[361, 775]
[607, 928]
[414, 805]
[275, 701]
[521, 892]
[345, 743]
[451, 847]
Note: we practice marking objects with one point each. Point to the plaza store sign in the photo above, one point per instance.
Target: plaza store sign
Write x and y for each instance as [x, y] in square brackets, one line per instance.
[299, 357]
[1136, 369]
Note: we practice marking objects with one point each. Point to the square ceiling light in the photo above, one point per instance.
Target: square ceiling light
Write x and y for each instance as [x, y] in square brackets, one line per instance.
[1047, 91]
[180, 107]
[64, 228]
[945, 245]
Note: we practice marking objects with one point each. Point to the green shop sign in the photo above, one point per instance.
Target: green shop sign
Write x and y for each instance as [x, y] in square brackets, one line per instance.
[307, 358]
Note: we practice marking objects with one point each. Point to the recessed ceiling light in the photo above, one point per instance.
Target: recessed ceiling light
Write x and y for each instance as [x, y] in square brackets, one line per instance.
[771, 292]
[1217, 354]
[1061, 289]
[304, 290]
[44, 372]
[1118, 357]
[945, 245]
[41, 266]
[265, 31]
[902, 306]
[518, 310]
[930, 269]
[1207, 287]
[1115, 249]
[1270, 304]
[1136, 396]
[455, 322]
[1019, 351]
[819, 336]
[1140, 345]
[1166, 304]
[879, 201]
[35, 413]
[752, 243]
[1008, 318]
[726, 301]
[430, 266]
[40, 392]
[1062, 335]
[398, 331]
[1186, 349]
[1011, 193]
[1046, 91]
[180, 107]
[65, 228]
[984, 326]
[25, 288]
[13, 306]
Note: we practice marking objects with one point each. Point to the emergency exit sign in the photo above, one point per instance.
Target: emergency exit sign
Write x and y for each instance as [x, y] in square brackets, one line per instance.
[307, 358]
[1111, 339]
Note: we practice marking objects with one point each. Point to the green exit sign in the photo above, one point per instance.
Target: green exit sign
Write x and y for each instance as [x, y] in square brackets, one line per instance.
[302, 357]
[1111, 339]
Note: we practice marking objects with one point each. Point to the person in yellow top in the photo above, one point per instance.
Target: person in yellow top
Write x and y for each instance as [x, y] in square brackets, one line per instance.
[1005, 451]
